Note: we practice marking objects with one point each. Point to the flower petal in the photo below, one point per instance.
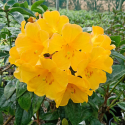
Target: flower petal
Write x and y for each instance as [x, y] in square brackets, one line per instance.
[55, 43]
[14, 56]
[82, 42]
[61, 60]
[70, 32]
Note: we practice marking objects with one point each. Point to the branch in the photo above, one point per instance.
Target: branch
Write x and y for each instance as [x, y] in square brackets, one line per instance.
[1, 71]
[8, 120]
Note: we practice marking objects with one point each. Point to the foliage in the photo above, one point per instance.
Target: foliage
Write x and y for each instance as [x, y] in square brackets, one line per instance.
[28, 108]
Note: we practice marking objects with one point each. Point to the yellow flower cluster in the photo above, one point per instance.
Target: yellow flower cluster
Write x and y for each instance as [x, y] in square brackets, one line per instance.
[59, 60]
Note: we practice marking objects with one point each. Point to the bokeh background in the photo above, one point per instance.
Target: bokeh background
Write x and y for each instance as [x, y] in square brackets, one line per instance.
[98, 5]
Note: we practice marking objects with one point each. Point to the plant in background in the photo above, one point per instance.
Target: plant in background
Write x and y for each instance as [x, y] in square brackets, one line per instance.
[58, 60]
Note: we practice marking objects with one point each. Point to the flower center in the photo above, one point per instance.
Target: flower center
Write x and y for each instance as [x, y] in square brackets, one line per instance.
[88, 73]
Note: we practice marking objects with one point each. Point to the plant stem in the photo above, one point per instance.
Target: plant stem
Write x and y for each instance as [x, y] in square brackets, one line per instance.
[114, 101]
[102, 109]
[8, 120]
[1, 71]
[8, 24]
[116, 84]
[37, 114]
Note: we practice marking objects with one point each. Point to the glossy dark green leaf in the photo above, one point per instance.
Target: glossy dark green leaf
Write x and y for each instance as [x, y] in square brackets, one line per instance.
[22, 11]
[44, 7]
[9, 89]
[2, 25]
[11, 2]
[94, 121]
[3, 54]
[11, 108]
[1, 118]
[17, 16]
[24, 4]
[122, 49]
[16, 5]
[73, 112]
[25, 101]
[122, 43]
[36, 4]
[116, 39]
[38, 10]
[50, 116]
[36, 103]
[4, 103]
[118, 72]
[20, 88]
[22, 117]
[121, 105]
[116, 54]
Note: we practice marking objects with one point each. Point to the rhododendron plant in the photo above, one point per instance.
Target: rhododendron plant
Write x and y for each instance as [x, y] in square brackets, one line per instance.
[59, 60]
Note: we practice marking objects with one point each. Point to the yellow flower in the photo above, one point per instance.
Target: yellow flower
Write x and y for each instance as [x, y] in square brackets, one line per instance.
[28, 48]
[99, 39]
[25, 72]
[29, 44]
[49, 80]
[32, 19]
[68, 45]
[36, 14]
[77, 90]
[93, 66]
[52, 22]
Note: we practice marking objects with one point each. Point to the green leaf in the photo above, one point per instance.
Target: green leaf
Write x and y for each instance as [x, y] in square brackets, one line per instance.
[44, 7]
[65, 122]
[22, 117]
[122, 49]
[3, 54]
[94, 121]
[122, 43]
[73, 112]
[11, 2]
[4, 103]
[17, 16]
[20, 88]
[36, 4]
[116, 40]
[24, 4]
[121, 105]
[1, 118]
[36, 103]
[12, 108]
[1, 91]
[2, 25]
[25, 101]
[118, 72]
[38, 10]
[116, 54]
[16, 5]
[22, 11]
[9, 89]
[49, 116]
